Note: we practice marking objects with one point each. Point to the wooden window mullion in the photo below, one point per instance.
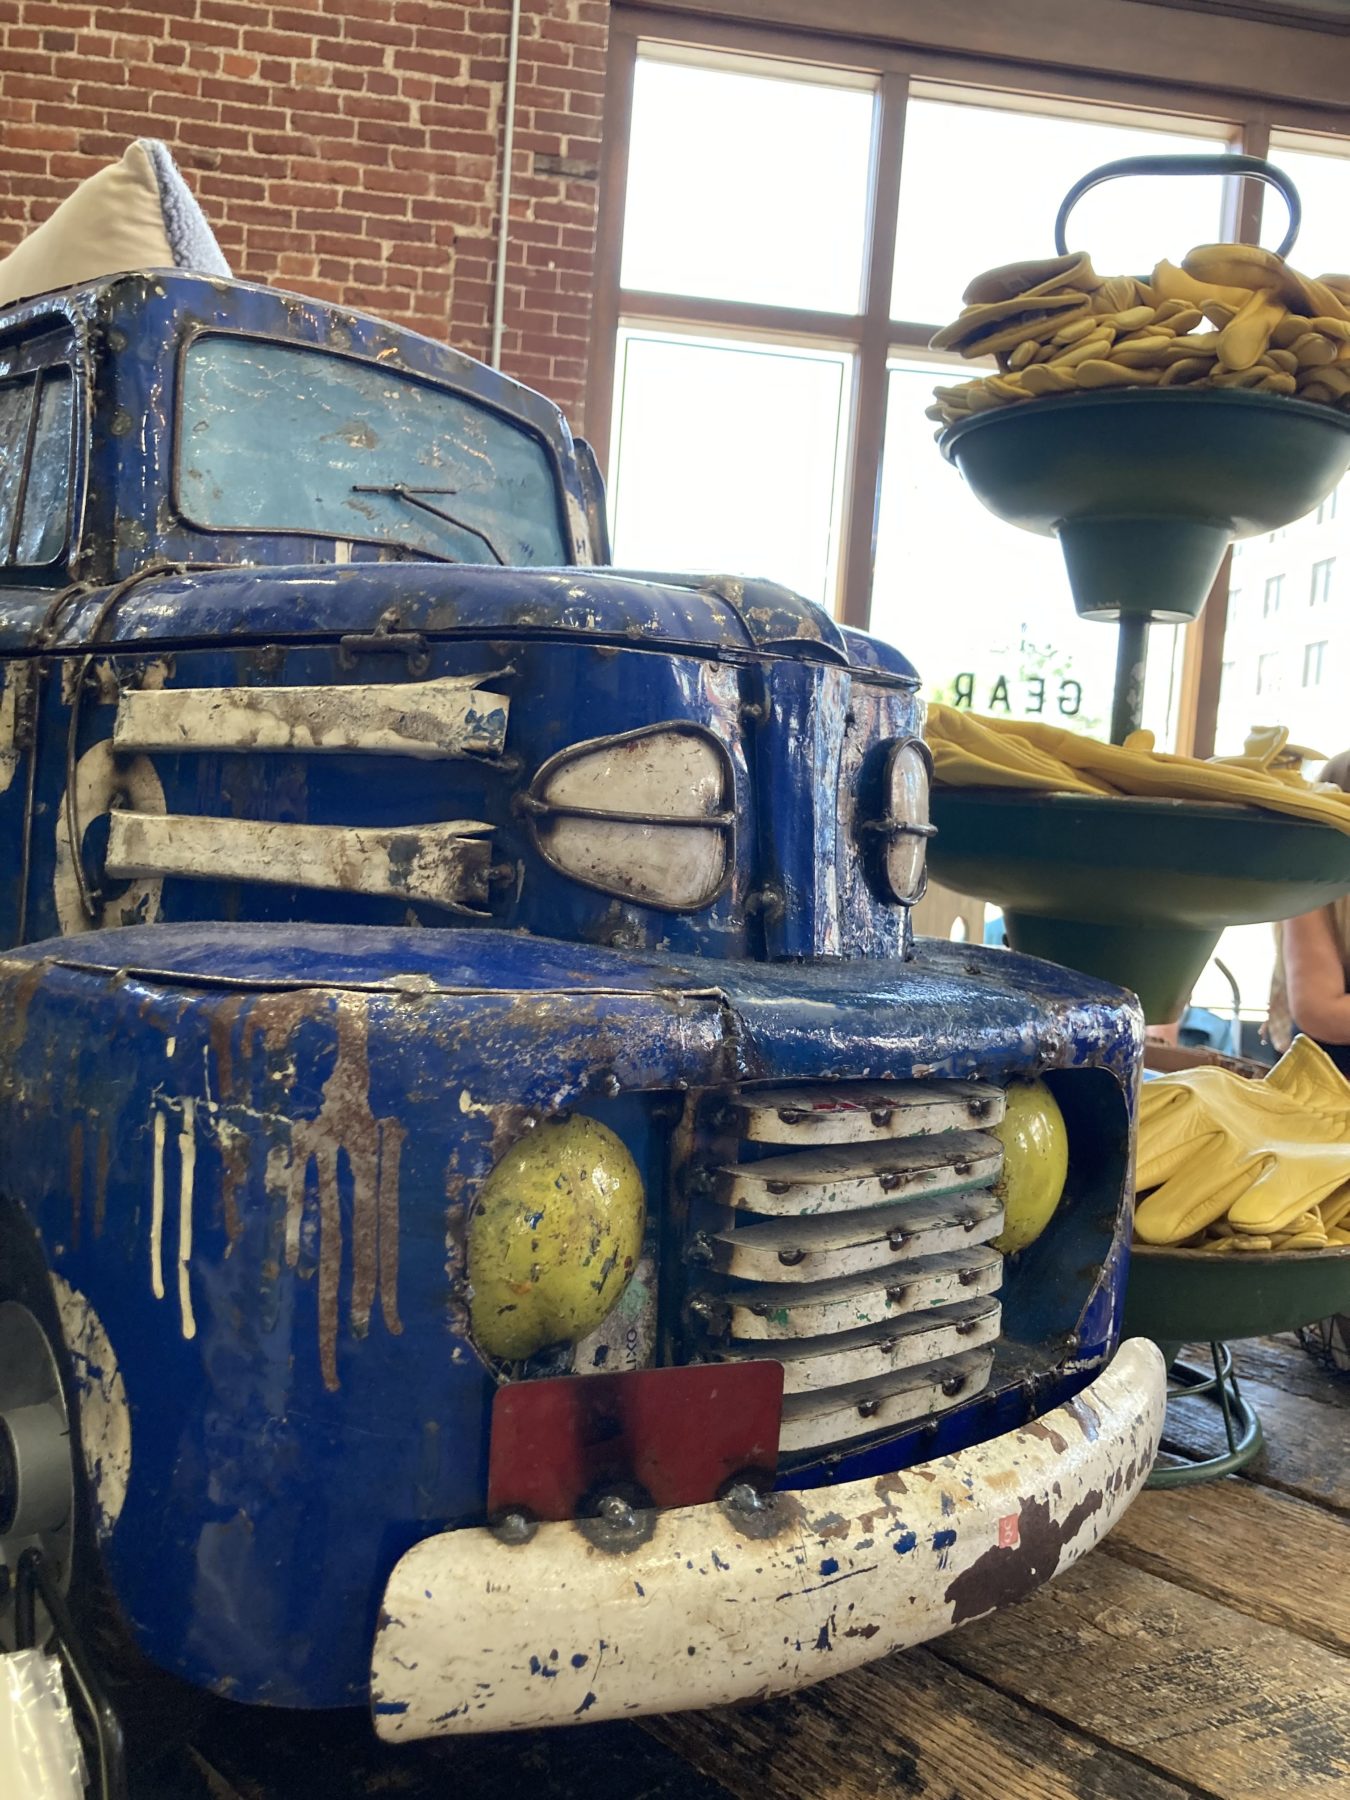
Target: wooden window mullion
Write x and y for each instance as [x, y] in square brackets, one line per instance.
[862, 493]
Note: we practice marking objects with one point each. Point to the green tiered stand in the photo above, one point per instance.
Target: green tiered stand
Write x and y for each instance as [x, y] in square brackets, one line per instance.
[1145, 489]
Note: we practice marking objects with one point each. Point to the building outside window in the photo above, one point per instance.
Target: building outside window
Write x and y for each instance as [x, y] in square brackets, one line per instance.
[1312, 663]
[1268, 672]
[1320, 586]
[1274, 583]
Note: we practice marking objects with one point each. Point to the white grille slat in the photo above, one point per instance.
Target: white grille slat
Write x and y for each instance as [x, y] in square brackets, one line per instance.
[773, 1312]
[865, 1112]
[812, 1363]
[831, 1245]
[834, 1415]
[842, 1178]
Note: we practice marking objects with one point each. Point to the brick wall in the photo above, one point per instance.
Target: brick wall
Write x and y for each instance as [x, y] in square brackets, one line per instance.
[346, 149]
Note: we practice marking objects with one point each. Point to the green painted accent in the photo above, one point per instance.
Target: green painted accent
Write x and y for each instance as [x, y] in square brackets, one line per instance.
[1192, 1296]
[1145, 487]
[1135, 891]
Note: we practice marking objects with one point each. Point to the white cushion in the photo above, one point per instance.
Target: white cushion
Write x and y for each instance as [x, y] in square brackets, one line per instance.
[135, 214]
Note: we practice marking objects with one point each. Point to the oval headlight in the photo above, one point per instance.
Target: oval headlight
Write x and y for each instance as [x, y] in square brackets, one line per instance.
[554, 1238]
[645, 815]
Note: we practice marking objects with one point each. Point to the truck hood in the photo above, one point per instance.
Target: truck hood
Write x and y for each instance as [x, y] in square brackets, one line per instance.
[716, 615]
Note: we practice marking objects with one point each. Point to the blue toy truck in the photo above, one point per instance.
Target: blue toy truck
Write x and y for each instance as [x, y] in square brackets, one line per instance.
[498, 1213]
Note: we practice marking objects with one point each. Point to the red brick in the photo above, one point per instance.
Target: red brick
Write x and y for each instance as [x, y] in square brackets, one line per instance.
[344, 148]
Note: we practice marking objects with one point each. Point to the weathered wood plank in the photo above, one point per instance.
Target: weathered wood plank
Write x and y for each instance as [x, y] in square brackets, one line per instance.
[1207, 1696]
[320, 1756]
[1283, 1363]
[1273, 1558]
[1307, 1447]
[910, 1725]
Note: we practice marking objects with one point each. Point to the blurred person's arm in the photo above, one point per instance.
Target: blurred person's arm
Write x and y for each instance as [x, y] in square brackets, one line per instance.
[1315, 977]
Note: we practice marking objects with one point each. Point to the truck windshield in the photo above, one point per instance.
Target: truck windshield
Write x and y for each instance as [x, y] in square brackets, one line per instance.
[278, 438]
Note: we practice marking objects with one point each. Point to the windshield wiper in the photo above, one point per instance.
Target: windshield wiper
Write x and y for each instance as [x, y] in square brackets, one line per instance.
[398, 490]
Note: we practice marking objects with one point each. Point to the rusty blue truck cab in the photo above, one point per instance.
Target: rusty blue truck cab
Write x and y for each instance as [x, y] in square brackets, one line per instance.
[359, 828]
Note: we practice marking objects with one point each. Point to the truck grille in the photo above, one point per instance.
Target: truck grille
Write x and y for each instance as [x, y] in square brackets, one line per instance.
[845, 1232]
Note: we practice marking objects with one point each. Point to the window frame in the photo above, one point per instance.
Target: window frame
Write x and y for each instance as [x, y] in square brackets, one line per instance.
[1242, 115]
[34, 362]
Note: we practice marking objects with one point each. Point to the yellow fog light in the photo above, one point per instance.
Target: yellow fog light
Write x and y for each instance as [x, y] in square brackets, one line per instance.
[1035, 1163]
[554, 1238]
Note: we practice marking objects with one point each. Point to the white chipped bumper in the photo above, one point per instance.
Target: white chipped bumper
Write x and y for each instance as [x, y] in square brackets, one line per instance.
[709, 1604]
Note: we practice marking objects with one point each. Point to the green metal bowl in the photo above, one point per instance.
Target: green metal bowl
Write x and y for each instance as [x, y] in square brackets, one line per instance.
[1146, 487]
[1189, 1296]
[1135, 891]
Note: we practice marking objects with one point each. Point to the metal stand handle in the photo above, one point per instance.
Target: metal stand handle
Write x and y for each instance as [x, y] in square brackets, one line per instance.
[1255, 166]
[1132, 654]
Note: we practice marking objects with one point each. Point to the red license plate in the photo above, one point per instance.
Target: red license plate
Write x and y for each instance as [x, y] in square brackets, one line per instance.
[677, 1436]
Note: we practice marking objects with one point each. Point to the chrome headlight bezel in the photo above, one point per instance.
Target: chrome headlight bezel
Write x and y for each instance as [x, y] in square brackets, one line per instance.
[895, 832]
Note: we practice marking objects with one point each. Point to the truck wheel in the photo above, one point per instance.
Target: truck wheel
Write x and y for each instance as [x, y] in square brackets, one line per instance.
[44, 1498]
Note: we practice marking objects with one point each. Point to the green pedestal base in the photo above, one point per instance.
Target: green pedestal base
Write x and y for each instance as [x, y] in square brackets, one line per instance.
[1162, 966]
[1133, 890]
[1161, 569]
[1242, 1428]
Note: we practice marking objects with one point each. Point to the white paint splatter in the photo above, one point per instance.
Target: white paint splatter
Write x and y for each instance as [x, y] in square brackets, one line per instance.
[105, 1416]
[11, 682]
[157, 1211]
[187, 1168]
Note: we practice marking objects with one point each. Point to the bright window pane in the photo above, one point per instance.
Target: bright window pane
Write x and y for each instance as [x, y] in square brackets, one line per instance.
[727, 458]
[981, 186]
[982, 609]
[747, 187]
[1323, 184]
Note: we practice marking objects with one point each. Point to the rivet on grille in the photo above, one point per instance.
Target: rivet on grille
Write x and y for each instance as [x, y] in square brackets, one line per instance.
[790, 1258]
[886, 1346]
[793, 1115]
[964, 1327]
[896, 1294]
[880, 1116]
[897, 1239]
[867, 1407]
[779, 1187]
[699, 1248]
[978, 1109]
[962, 1165]
[952, 1384]
[968, 1222]
[968, 1277]
[889, 1180]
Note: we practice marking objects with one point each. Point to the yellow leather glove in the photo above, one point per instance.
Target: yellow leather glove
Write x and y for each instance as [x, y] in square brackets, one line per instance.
[1260, 1154]
[972, 750]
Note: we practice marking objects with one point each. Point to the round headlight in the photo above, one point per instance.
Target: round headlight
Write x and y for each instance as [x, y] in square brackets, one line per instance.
[1035, 1163]
[554, 1238]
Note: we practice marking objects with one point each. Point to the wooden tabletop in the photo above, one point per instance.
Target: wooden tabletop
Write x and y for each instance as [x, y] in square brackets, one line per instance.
[1201, 1653]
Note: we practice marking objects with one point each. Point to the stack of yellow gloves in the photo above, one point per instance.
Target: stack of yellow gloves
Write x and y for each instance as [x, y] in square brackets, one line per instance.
[1227, 1164]
[971, 750]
